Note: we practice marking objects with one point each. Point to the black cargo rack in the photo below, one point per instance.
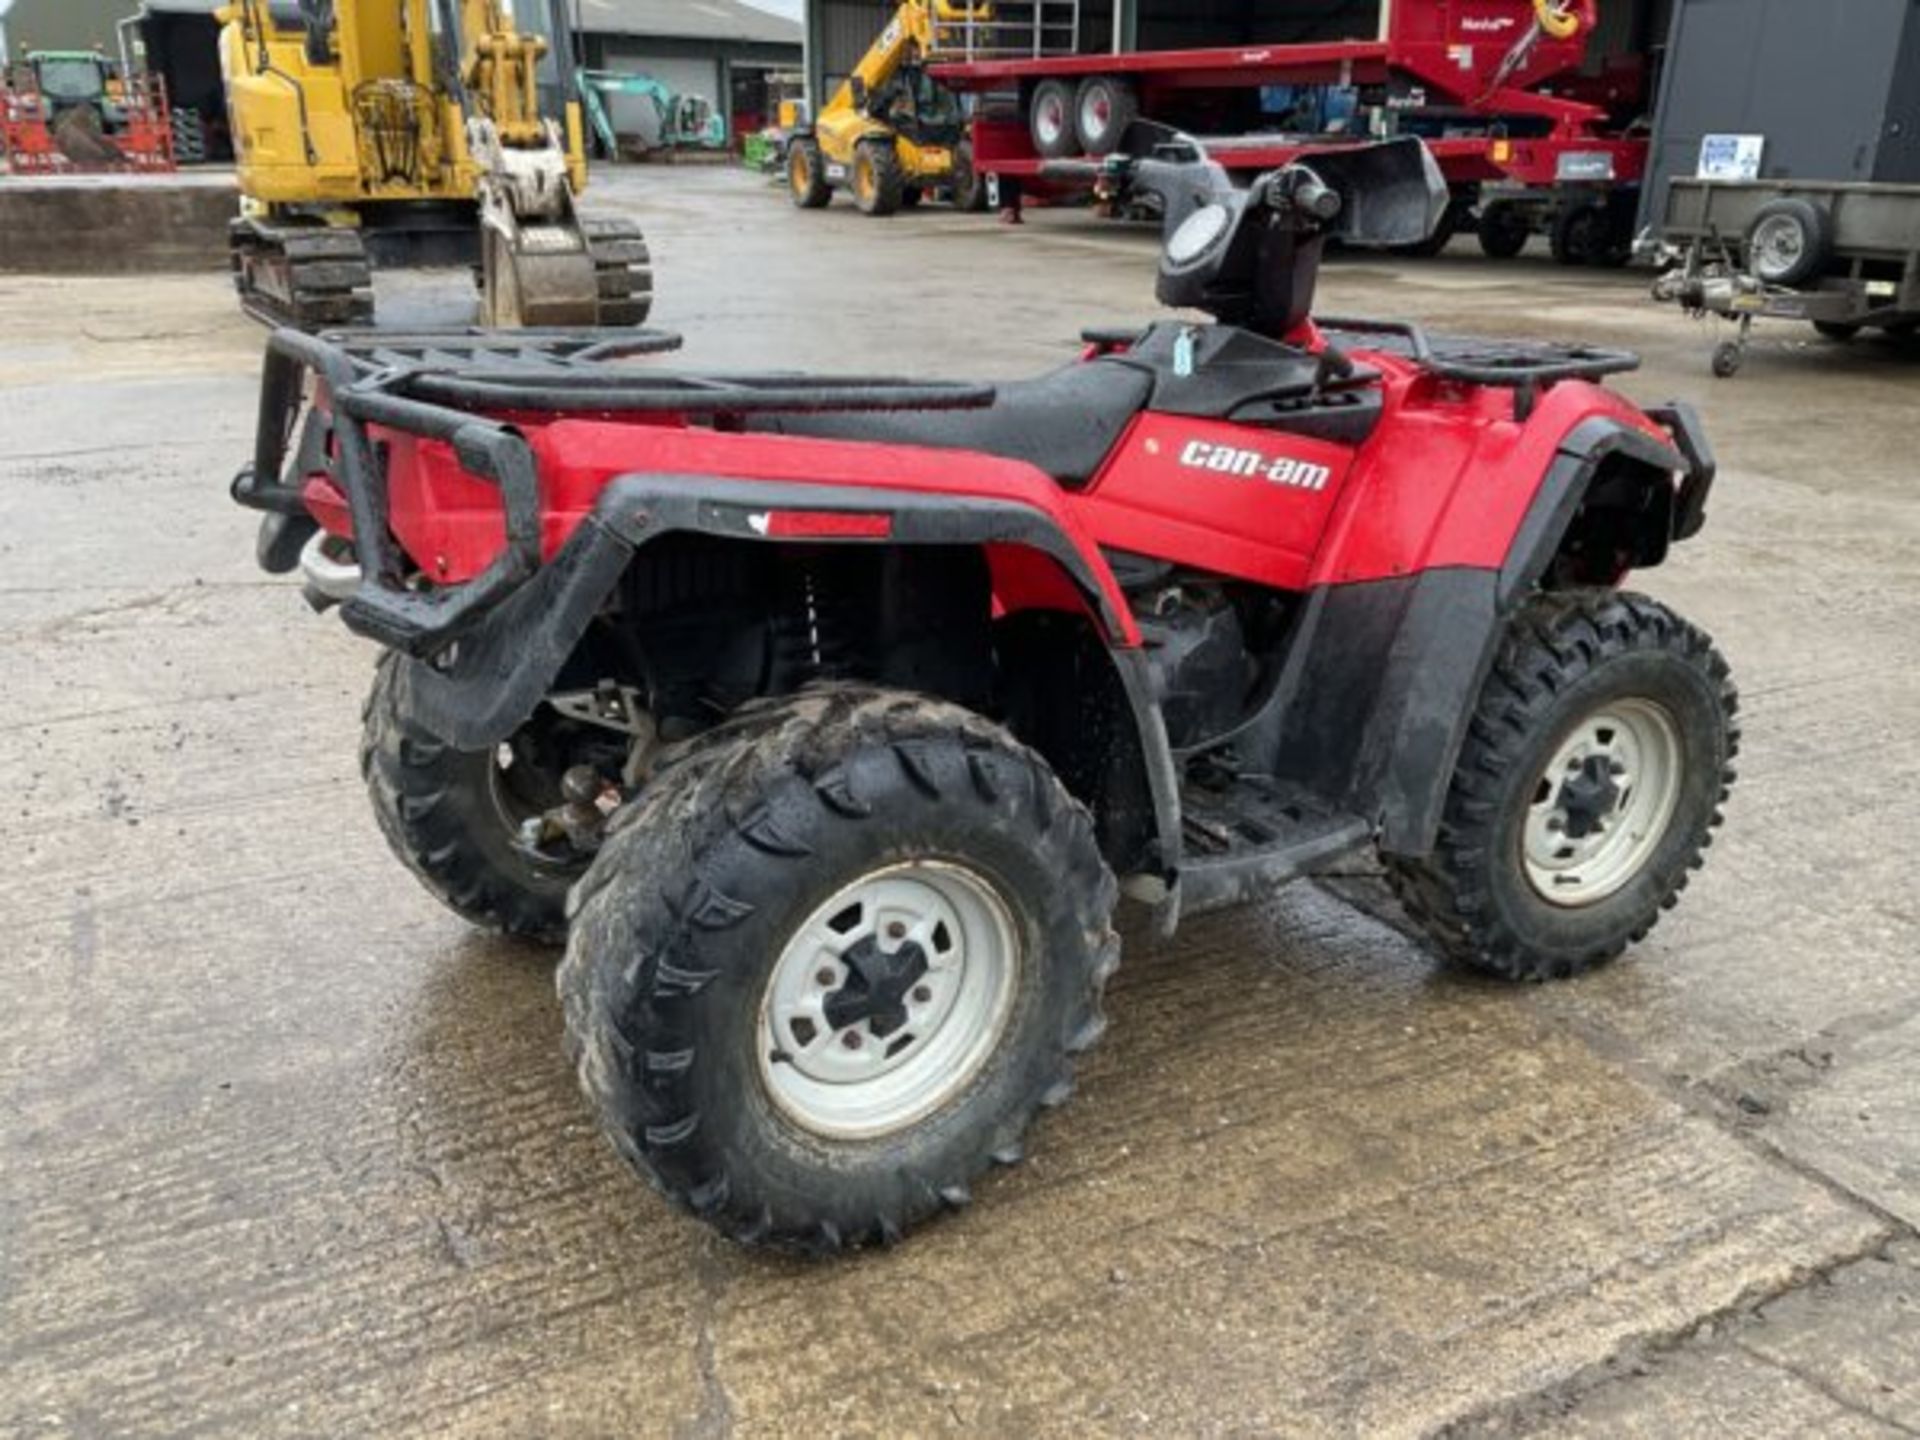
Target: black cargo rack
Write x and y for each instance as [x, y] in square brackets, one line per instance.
[1524, 366]
[439, 385]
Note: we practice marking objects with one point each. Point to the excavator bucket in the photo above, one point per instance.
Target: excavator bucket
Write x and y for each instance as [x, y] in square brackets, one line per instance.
[595, 271]
[544, 276]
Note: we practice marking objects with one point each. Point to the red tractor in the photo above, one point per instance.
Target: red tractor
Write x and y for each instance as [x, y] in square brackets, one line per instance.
[826, 719]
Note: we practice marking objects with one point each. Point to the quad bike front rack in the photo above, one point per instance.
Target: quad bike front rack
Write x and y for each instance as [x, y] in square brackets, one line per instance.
[447, 386]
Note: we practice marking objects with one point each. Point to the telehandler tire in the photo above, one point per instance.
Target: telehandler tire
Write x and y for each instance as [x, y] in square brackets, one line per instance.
[452, 816]
[830, 964]
[969, 185]
[878, 185]
[807, 175]
[1591, 780]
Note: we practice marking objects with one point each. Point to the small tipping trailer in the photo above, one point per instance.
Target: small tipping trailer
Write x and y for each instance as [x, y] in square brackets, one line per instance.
[1527, 144]
[1842, 256]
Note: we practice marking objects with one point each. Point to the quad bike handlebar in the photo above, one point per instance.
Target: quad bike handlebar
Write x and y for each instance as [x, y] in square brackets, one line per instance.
[1252, 257]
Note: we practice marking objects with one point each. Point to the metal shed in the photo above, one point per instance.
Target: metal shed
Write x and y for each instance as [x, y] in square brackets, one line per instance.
[1831, 89]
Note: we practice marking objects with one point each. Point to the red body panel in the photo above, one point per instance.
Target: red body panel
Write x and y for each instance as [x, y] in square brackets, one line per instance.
[1168, 491]
[1444, 480]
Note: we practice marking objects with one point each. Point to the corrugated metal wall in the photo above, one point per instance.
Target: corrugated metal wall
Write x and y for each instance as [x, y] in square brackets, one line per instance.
[1827, 85]
[65, 24]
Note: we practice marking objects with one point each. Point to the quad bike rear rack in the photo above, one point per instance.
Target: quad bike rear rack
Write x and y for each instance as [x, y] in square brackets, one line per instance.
[450, 386]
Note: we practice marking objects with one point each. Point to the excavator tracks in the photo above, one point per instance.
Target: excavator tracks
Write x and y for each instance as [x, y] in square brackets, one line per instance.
[623, 268]
[312, 277]
[316, 277]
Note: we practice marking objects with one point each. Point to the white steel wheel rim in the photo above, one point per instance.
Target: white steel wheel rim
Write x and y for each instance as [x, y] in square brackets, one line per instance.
[1050, 120]
[1096, 113]
[1777, 245]
[1601, 806]
[872, 1077]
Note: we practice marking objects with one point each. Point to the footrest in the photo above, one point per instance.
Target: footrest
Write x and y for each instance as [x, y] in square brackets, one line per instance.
[1254, 834]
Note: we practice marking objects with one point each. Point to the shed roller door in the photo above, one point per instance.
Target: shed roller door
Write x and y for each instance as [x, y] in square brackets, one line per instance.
[682, 74]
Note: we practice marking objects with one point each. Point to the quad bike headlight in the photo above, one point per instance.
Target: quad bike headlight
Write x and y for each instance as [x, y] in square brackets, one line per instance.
[1199, 235]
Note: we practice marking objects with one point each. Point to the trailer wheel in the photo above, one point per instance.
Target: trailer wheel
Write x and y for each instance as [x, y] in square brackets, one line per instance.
[807, 175]
[826, 970]
[1105, 107]
[1727, 356]
[969, 185]
[878, 186]
[1590, 232]
[1050, 120]
[1504, 231]
[1790, 241]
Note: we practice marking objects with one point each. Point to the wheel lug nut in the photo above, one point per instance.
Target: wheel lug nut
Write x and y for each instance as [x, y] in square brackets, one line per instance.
[824, 975]
[922, 994]
[850, 1039]
[896, 931]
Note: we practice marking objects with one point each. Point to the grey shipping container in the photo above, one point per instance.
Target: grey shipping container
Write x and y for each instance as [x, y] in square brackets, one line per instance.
[1833, 86]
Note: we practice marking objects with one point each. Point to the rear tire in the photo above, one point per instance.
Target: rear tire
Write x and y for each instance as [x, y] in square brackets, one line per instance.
[878, 185]
[807, 175]
[451, 816]
[1589, 785]
[1104, 107]
[969, 185]
[1050, 120]
[788, 850]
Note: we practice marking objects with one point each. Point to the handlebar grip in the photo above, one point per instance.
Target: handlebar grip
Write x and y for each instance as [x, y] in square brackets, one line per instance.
[1312, 196]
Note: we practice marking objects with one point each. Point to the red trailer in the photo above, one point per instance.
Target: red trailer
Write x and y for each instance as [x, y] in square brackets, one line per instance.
[1527, 141]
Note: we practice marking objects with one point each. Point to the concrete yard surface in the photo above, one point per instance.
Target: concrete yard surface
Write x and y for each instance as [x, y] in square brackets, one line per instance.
[285, 1149]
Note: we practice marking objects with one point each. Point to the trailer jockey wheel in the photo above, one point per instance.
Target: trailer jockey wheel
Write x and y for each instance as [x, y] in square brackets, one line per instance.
[1104, 108]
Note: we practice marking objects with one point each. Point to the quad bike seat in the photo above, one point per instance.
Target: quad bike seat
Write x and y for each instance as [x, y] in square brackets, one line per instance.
[1064, 422]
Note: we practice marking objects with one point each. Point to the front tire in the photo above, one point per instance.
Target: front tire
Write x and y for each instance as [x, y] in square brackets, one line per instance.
[879, 187]
[452, 817]
[1589, 785]
[783, 909]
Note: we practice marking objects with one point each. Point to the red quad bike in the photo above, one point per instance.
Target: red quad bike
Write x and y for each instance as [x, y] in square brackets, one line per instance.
[826, 719]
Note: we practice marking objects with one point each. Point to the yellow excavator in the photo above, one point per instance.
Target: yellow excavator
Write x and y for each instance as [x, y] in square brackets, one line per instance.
[410, 133]
[891, 134]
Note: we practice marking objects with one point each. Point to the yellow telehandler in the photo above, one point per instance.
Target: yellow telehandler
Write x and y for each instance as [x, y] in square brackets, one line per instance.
[410, 132]
[891, 134]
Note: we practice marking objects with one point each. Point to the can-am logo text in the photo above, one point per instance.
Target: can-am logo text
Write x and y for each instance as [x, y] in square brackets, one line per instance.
[1231, 460]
